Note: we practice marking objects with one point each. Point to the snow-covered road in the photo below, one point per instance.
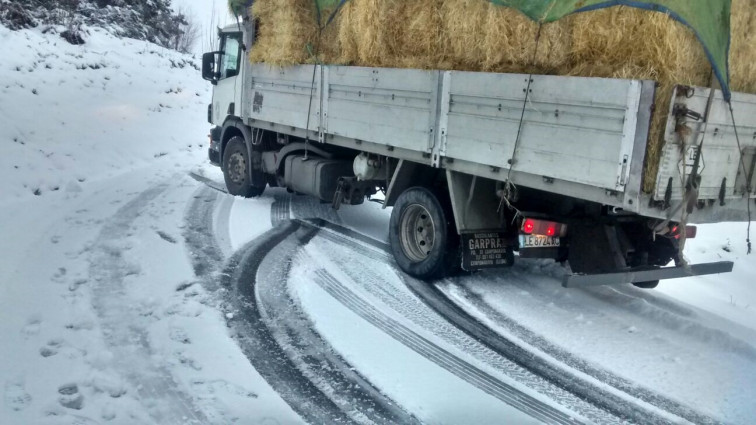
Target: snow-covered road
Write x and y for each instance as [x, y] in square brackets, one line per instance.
[162, 299]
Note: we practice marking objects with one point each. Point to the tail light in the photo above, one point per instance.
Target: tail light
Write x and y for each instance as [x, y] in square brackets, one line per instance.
[690, 232]
[528, 226]
[532, 226]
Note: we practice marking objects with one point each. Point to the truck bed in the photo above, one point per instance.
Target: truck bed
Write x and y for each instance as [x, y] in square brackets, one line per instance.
[581, 137]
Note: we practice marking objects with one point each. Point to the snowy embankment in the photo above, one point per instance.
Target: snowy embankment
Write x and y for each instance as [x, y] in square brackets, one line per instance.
[73, 114]
[733, 295]
[104, 317]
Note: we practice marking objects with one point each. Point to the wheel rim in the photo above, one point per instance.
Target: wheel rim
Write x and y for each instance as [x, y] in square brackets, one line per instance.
[237, 167]
[418, 232]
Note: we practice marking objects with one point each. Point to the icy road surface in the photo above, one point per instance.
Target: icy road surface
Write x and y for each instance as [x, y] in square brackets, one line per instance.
[133, 290]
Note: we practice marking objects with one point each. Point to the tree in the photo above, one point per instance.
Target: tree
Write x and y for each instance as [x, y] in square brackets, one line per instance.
[188, 32]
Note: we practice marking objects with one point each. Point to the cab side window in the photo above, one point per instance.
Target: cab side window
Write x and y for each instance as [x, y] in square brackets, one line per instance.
[230, 58]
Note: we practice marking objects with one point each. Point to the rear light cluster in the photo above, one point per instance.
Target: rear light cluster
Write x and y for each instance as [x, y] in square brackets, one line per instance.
[544, 228]
[690, 232]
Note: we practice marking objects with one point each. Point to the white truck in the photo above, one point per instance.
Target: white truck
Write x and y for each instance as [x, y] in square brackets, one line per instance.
[479, 166]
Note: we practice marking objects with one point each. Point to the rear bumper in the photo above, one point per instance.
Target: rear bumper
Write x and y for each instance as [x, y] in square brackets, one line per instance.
[645, 274]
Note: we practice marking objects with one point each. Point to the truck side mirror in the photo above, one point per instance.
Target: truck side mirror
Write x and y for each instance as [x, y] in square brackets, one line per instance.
[208, 67]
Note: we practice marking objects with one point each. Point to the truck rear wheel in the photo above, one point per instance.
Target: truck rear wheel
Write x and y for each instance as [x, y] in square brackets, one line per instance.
[423, 242]
[235, 170]
[651, 284]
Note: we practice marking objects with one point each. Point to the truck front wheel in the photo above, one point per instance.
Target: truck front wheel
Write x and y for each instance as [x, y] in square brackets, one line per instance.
[235, 170]
[422, 240]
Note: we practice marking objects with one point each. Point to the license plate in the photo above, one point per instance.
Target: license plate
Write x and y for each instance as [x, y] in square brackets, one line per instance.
[538, 241]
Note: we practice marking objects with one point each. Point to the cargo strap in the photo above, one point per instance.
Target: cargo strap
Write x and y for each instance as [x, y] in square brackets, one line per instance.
[332, 15]
[509, 188]
[314, 54]
[745, 173]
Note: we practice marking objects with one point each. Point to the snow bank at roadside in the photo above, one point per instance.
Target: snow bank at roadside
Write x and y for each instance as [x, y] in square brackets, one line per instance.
[732, 295]
[73, 114]
[104, 318]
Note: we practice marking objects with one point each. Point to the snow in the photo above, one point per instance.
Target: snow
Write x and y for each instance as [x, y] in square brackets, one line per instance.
[687, 340]
[104, 319]
[368, 276]
[402, 374]
[732, 296]
[73, 114]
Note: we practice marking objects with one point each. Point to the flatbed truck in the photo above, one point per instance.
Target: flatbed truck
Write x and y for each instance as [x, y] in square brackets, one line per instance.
[480, 166]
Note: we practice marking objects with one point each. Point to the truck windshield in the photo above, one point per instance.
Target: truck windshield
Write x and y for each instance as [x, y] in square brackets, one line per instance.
[230, 61]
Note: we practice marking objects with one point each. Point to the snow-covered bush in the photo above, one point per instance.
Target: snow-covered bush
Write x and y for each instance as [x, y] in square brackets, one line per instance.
[150, 20]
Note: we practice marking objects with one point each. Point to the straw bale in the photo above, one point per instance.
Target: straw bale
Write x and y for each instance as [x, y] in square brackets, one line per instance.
[463, 32]
[469, 35]
[511, 39]
[364, 29]
[346, 34]
[391, 33]
[743, 46]
[289, 34]
[420, 37]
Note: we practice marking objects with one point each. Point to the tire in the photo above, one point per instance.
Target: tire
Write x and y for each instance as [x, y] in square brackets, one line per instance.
[423, 241]
[236, 172]
[651, 284]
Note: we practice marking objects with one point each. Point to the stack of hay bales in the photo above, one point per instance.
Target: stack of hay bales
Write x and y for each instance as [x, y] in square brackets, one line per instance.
[475, 35]
[472, 35]
[289, 35]
[743, 46]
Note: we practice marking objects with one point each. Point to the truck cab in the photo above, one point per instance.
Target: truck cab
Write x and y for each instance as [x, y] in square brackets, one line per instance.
[225, 69]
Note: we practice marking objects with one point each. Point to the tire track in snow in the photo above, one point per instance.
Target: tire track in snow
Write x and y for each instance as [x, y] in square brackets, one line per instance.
[443, 358]
[280, 210]
[256, 340]
[401, 301]
[129, 343]
[205, 253]
[212, 184]
[615, 403]
[442, 301]
[447, 309]
[305, 207]
[672, 320]
[294, 333]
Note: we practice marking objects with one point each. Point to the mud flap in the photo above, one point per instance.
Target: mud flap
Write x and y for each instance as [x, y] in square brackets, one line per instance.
[595, 249]
[486, 249]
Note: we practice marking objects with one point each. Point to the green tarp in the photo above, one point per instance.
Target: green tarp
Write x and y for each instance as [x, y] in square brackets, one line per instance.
[709, 19]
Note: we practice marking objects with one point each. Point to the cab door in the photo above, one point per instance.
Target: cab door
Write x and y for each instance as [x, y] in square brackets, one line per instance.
[227, 92]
